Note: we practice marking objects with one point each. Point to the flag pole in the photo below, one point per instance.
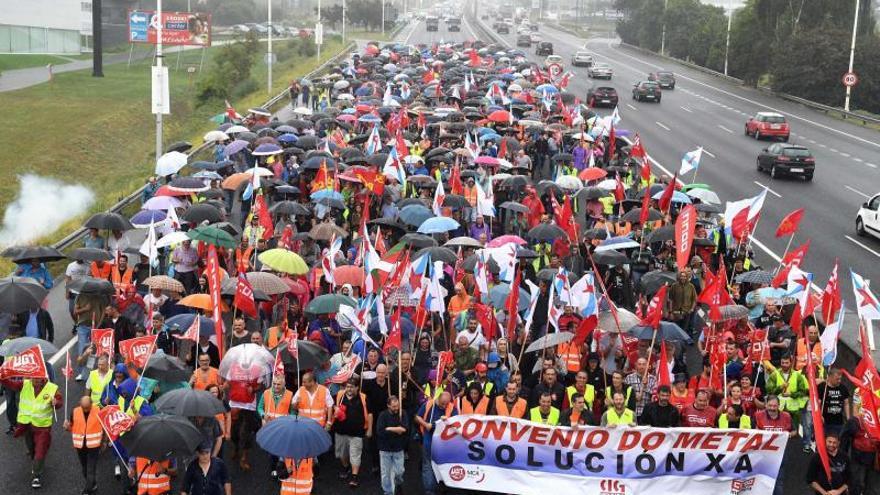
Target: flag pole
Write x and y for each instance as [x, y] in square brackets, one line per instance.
[787, 246]
[399, 380]
[67, 373]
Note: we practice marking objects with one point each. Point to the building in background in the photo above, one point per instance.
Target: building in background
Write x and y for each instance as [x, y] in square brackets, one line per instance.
[40, 26]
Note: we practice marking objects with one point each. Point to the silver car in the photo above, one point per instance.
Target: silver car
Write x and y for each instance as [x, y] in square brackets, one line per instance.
[582, 59]
[600, 71]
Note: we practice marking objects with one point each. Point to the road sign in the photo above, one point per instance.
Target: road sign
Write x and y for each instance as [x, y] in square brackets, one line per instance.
[850, 79]
[555, 69]
[161, 101]
[319, 34]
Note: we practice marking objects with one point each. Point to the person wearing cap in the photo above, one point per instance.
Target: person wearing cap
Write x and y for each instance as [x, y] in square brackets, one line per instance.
[780, 338]
[481, 379]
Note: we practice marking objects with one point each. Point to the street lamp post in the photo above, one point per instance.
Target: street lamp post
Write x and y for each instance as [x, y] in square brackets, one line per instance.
[852, 54]
[663, 32]
[383, 17]
[343, 21]
[727, 41]
[161, 83]
[269, 48]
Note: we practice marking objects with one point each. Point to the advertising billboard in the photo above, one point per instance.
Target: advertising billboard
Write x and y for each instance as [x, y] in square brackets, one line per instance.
[178, 28]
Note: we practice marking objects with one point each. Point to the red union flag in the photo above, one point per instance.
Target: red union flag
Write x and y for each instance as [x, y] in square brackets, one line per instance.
[346, 371]
[759, 351]
[26, 364]
[684, 235]
[244, 296]
[137, 351]
[102, 338]
[214, 281]
[114, 421]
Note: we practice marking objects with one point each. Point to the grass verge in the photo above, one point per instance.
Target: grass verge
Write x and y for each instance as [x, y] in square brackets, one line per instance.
[26, 61]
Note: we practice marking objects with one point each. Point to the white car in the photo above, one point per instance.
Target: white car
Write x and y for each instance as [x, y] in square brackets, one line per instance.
[868, 217]
[552, 60]
[600, 70]
[535, 37]
[582, 58]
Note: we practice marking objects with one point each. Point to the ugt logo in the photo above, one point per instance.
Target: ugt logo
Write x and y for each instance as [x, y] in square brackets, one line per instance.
[738, 487]
[612, 487]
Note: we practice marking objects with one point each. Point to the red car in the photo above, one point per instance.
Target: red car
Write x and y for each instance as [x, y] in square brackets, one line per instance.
[768, 124]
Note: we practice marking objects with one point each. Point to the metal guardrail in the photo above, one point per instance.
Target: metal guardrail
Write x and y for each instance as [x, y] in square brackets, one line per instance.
[74, 236]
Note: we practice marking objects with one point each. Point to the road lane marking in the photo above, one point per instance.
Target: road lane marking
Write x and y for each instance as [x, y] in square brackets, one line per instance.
[632, 107]
[847, 155]
[866, 248]
[771, 191]
[686, 109]
[708, 152]
[724, 128]
[663, 126]
[872, 165]
[833, 150]
[857, 191]
[857, 159]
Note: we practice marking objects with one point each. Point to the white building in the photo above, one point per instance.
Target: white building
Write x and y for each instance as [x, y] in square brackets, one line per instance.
[41, 26]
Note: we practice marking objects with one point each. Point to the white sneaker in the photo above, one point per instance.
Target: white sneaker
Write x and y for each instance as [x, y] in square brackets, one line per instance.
[117, 472]
[79, 377]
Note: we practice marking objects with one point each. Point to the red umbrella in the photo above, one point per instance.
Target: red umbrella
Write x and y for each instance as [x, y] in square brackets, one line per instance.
[593, 173]
[167, 191]
[349, 274]
[502, 116]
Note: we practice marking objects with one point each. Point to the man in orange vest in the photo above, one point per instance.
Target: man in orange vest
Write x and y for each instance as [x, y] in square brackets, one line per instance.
[121, 275]
[474, 402]
[87, 435]
[152, 477]
[275, 402]
[299, 480]
[510, 404]
[205, 375]
[313, 400]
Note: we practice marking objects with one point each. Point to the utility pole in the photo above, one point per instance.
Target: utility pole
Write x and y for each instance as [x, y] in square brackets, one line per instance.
[852, 54]
[269, 55]
[727, 41]
[383, 17]
[663, 32]
[343, 21]
[159, 80]
[97, 48]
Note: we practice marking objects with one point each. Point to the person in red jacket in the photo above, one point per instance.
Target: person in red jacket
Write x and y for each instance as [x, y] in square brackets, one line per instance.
[700, 414]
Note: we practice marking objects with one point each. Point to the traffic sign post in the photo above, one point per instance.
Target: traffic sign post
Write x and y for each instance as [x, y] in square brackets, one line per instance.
[849, 79]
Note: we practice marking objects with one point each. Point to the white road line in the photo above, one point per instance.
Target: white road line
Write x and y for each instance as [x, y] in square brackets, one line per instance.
[866, 248]
[771, 191]
[857, 191]
[708, 153]
[847, 155]
[724, 128]
[872, 165]
[833, 150]
[686, 109]
[857, 159]
[632, 107]
[663, 126]
[823, 145]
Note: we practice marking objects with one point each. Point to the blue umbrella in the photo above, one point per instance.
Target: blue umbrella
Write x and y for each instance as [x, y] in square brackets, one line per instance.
[235, 147]
[214, 166]
[677, 196]
[267, 149]
[288, 138]
[207, 174]
[620, 242]
[667, 331]
[369, 118]
[486, 130]
[363, 91]
[294, 437]
[490, 137]
[547, 88]
[143, 218]
[437, 225]
[185, 320]
[498, 296]
[326, 194]
[415, 215]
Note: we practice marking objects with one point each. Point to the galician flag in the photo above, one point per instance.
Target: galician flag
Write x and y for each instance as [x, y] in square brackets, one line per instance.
[690, 161]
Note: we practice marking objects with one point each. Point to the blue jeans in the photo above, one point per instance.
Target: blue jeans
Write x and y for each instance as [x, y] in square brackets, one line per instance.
[807, 426]
[428, 481]
[83, 341]
[391, 470]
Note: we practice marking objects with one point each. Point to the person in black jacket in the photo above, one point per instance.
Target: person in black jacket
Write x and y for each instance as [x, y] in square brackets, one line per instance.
[36, 323]
[840, 471]
[391, 435]
[660, 414]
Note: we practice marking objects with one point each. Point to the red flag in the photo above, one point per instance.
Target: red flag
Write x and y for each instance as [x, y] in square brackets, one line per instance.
[663, 367]
[292, 340]
[231, 113]
[486, 317]
[114, 421]
[797, 317]
[759, 351]
[421, 121]
[637, 150]
[475, 60]
[502, 149]
[511, 304]
[394, 339]
[565, 218]
[455, 185]
[685, 225]
[428, 76]
[322, 178]
[866, 368]
[264, 217]
[28, 363]
[793, 258]
[831, 297]
[869, 407]
[67, 370]
[373, 181]
[666, 198]
[585, 329]
[619, 191]
[212, 271]
[654, 313]
[816, 411]
[612, 143]
[102, 338]
[244, 296]
[192, 333]
[645, 171]
[790, 223]
[346, 371]
[137, 351]
[278, 367]
[646, 206]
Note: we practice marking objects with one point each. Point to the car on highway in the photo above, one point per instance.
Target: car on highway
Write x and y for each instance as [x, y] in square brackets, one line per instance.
[544, 48]
[503, 28]
[646, 90]
[768, 124]
[524, 40]
[432, 23]
[600, 70]
[787, 159]
[453, 24]
[552, 60]
[582, 58]
[868, 217]
[602, 96]
[664, 78]
[536, 37]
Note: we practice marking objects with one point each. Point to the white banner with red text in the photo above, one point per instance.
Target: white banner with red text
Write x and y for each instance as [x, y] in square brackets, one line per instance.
[505, 455]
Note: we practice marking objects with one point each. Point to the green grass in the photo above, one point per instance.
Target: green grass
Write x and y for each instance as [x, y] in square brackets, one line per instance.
[25, 61]
[368, 35]
[99, 131]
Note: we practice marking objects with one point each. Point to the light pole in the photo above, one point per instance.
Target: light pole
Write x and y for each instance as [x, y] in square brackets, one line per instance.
[343, 22]
[158, 80]
[383, 17]
[727, 41]
[269, 48]
[852, 54]
[663, 32]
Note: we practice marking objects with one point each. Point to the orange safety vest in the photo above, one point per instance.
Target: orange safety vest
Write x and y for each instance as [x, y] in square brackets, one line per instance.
[470, 194]
[518, 411]
[272, 410]
[86, 432]
[242, 259]
[341, 394]
[316, 409]
[150, 480]
[121, 279]
[571, 355]
[202, 382]
[101, 272]
[802, 353]
[272, 339]
[466, 408]
[300, 480]
[430, 405]
[221, 420]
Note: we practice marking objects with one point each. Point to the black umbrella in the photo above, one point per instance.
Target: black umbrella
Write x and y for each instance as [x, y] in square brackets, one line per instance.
[311, 355]
[200, 212]
[526, 254]
[547, 274]
[42, 253]
[189, 402]
[546, 232]
[595, 234]
[307, 142]
[610, 258]
[91, 285]
[514, 206]
[188, 185]
[108, 221]
[455, 201]
[470, 264]
[707, 208]
[21, 344]
[19, 294]
[290, 208]
[754, 277]
[438, 253]
[229, 287]
[591, 193]
[562, 157]
[703, 242]
[663, 234]
[634, 215]
[418, 240]
[546, 186]
[668, 331]
[652, 281]
[288, 190]
[230, 228]
[161, 437]
[387, 223]
[166, 368]
[90, 254]
[181, 146]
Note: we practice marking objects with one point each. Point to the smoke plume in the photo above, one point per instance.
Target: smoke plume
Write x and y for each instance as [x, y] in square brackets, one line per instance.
[42, 205]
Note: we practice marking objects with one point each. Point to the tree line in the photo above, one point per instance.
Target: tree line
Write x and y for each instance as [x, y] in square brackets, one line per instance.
[799, 47]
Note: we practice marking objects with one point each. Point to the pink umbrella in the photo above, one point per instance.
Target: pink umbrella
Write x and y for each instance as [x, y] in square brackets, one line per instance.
[506, 239]
[487, 160]
[346, 117]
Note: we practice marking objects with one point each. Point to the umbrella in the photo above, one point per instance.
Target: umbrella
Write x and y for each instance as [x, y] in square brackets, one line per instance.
[108, 221]
[506, 239]
[328, 303]
[290, 208]
[161, 437]
[171, 239]
[197, 301]
[588, 193]
[667, 331]
[754, 277]
[707, 208]
[170, 163]
[91, 285]
[593, 173]
[21, 344]
[498, 296]
[201, 212]
[188, 185]
[284, 261]
[418, 241]
[514, 206]
[167, 368]
[246, 363]
[610, 258]
[705, 195]
[455, 201]
[310, 354]
[348, 274]
[730, 312]
[634, 215]
[229, 287]
[415, 215]
[183, 321]
[181, 146]
[215, 135]
[550, 340]
[294, 437]
[188, 402]
[652, 281]
[663, 234]
[443, 254]
[407, 327]
[144, 218]
[235, 147]
[90, 254]
[464, 241]
[326, 231]
[625, 317]
[546, 232]
[569, 182]
[677, 197]
[164, 282]
[470, 264]
[614, 243]
[595, 234]
[162, 203]
[212, 235]
[267, 149]
[269, 283]
[41, 253]
[437, 225]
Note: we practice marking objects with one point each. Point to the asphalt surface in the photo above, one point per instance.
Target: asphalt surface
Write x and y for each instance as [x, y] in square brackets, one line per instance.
[62, 474]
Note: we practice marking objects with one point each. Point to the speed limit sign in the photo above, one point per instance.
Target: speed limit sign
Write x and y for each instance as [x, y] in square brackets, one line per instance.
[555, 69]
[850, 79]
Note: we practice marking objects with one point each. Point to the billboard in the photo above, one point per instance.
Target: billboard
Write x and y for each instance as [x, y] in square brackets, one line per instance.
[178, 28]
